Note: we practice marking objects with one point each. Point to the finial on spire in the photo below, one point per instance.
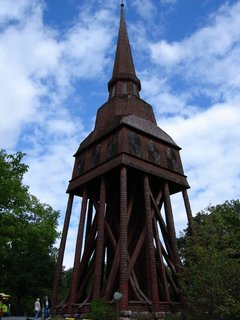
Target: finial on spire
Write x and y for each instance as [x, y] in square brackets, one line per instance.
[122, 4]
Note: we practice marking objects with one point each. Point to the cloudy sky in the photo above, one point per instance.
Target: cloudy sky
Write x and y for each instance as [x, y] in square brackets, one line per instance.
[56, 58]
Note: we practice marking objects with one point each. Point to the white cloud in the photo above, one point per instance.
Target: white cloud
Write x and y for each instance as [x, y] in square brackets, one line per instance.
[37, 67]
[210, 153]
[23, 51]
[145, 8]
[166, 53]
[159, 93]
[213, 40]
[153, 85]
[208, 56]
[87, 43]
[10, 12]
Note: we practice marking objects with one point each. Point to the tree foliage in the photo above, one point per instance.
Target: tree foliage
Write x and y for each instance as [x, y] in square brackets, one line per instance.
[100, 310]
[212, 263]
[65, 284]
[28, 231]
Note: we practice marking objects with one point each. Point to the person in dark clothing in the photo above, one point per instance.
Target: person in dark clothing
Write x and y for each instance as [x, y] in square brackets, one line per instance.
[46, 307]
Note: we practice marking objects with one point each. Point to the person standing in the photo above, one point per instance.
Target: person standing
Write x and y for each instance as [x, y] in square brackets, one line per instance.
[47, 307]
[37, 308]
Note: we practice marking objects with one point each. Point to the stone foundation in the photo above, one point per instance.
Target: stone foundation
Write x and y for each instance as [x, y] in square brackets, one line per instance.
[133, 315]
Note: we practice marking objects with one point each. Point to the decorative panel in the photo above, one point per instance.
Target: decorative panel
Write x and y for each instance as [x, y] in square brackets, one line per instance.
[112, 146]
[96, 153]
[134, 144]
[153, 153]
[172, 159]
[81, 164]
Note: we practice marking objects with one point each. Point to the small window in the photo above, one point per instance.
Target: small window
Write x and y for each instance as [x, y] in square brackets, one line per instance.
[96, 155]
[124, 88]
[172, 159]
[134, 144]
[153, 153]
[81, 164]
[112, 146]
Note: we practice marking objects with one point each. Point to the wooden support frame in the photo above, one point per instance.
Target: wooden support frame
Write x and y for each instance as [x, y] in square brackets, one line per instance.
[110, 232]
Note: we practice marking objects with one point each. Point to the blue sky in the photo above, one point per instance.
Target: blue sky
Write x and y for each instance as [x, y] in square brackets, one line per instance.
[56, 58]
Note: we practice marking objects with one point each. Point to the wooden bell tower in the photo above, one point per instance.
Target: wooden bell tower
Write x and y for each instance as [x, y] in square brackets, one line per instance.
[125, 171]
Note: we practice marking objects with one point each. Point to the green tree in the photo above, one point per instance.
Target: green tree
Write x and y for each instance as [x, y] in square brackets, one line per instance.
[212, 263]
[65, 284]
[28, 231]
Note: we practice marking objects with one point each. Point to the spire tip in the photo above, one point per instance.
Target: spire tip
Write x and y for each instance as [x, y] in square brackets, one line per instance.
[122, 4]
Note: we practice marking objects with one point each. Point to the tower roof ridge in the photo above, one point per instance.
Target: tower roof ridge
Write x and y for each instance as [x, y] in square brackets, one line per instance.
[123, 69]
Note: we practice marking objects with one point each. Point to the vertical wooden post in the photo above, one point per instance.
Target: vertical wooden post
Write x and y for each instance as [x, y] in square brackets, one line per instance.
[89, 218]
[171, 227]
[59, 264]
[123, 240]
[151, 251]
[161, 263]
[78, 250]
[100, 241]
[189, 213]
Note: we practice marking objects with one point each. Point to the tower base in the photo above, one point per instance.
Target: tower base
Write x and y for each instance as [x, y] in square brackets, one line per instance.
[136, 311]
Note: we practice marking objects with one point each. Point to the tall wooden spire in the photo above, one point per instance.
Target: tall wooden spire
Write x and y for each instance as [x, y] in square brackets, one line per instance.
[123, 70]
[125, 171]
